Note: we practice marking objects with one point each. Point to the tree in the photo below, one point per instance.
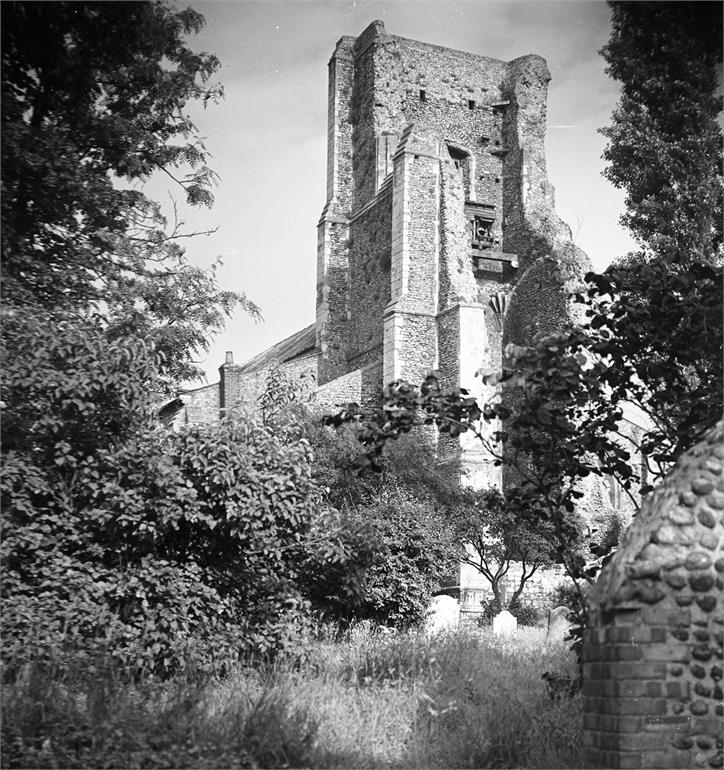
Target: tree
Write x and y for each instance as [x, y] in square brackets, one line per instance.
[87, 94]
[94, 97]
[420, 515]
[116, 535]
[544, 491]
[664, 139]
[500, 538]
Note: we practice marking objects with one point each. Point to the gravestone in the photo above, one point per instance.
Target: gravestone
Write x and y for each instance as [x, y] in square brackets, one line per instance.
[443, 614]
[505, 624]
[558, 624]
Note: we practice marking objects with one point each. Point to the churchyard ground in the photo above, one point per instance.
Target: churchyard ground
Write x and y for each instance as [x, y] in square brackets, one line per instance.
[365, 699]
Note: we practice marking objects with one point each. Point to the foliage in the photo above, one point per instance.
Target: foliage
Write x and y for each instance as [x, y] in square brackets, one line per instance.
[333, 577]
[526, 614]
[164, 551]
[492, 524]
[94, 99]
[282, 393]
[499, 538]
[665, 139]
[95, 719]
[153, 545]
[454, 412]
[413, 553]
[567, 594]
[90, 91]
[312, 713]
[395, 526]
[67, 390]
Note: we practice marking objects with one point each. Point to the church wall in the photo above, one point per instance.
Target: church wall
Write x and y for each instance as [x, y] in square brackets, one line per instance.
[421, 289]
[339, 128]
[254, 383]
[362, 106]
[201, 406]
[332, 230]
[369, 294]
[538, 303]
[361, 386]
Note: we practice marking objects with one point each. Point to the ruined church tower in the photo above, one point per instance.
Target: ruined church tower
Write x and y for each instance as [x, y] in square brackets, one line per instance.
[439, 242]
[437, 246]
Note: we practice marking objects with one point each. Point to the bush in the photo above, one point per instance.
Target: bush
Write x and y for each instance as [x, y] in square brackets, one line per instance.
[162, 549]
[394, 526]
[568, 594]
[526, 614]
[412, 553]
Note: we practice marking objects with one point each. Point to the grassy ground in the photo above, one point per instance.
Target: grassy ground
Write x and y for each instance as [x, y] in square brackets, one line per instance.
[368, 700]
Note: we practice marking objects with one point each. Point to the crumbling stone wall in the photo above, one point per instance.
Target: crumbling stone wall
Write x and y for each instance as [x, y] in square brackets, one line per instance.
[653, 648]
[470, 129]
[538, 303]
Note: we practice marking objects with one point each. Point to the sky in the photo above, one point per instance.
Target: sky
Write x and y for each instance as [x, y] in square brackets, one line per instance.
[267, 138]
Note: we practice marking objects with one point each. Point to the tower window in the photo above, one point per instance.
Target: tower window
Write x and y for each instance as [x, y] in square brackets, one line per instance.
[471, 104]
[423, 96]
[482, 232]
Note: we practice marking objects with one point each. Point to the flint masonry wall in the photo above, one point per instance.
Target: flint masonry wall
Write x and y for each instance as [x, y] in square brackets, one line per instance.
[369, 293]
[653, 648]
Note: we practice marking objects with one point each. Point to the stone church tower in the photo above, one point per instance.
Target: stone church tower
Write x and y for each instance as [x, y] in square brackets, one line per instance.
[438, 243]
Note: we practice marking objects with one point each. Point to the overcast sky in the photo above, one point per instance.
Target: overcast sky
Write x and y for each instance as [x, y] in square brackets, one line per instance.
[267, 138]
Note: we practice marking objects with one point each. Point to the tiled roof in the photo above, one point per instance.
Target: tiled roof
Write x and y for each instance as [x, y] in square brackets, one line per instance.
[292, 347]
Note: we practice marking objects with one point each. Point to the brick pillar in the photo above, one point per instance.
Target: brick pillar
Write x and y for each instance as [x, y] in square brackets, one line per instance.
[653, 649]
[230, 381]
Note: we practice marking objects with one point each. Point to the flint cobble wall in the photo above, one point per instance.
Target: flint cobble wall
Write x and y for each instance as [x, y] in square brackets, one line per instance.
[653, 649]
[370, 290]
[361, 386]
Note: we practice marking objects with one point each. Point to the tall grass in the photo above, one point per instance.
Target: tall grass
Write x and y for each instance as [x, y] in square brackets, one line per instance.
[464, 699]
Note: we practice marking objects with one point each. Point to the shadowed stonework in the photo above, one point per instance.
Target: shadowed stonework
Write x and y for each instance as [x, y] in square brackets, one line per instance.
[653, 649]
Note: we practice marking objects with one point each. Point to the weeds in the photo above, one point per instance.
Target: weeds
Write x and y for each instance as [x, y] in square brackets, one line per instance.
[366, 699]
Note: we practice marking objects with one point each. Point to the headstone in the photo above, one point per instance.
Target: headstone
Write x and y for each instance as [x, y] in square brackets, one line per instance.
[558, 624]
[443, 614]
[505, 624]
